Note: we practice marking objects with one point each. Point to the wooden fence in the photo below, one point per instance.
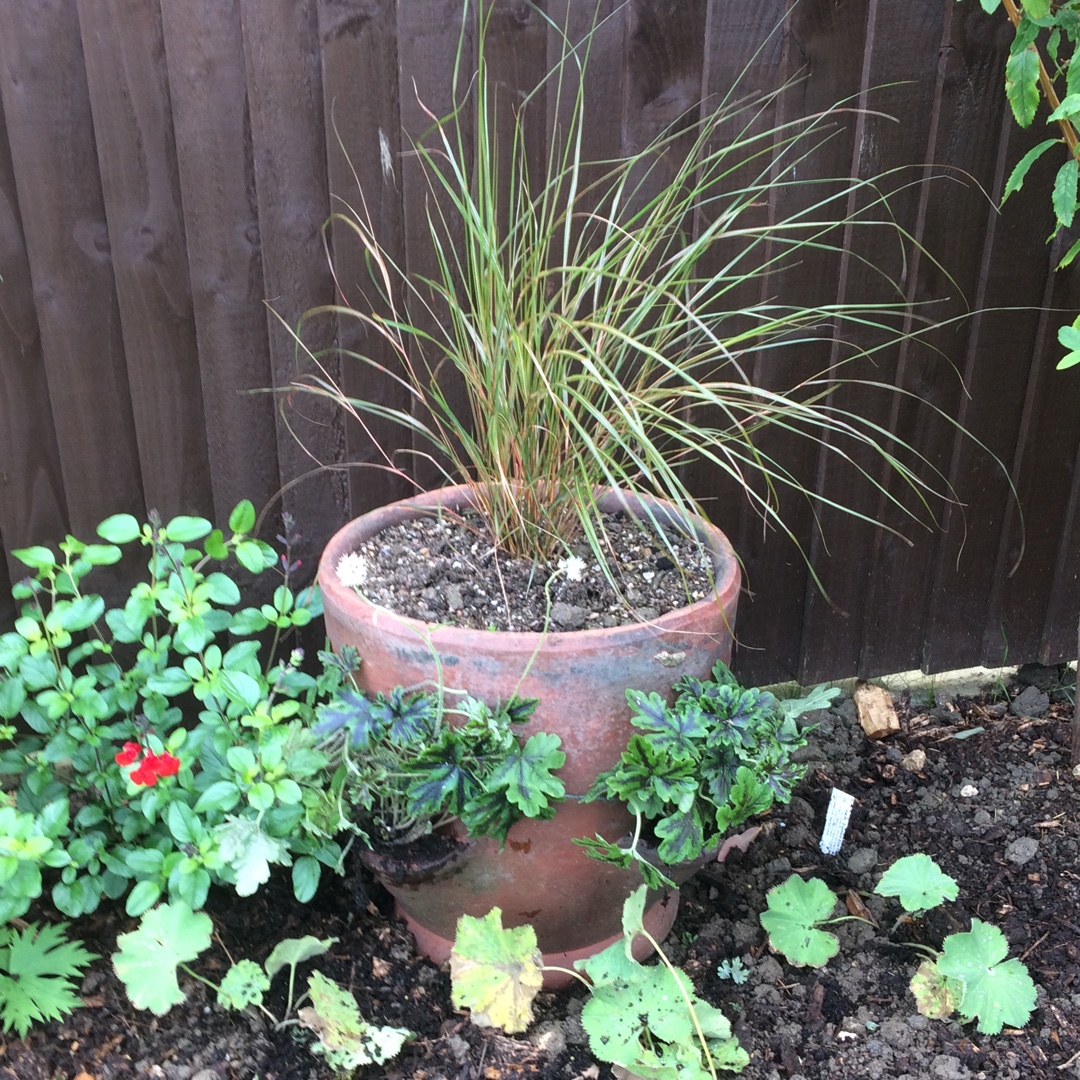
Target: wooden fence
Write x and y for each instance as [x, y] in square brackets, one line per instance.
[166, 167]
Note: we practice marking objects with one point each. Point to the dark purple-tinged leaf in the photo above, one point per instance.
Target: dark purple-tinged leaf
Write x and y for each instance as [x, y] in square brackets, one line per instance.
[682, 836]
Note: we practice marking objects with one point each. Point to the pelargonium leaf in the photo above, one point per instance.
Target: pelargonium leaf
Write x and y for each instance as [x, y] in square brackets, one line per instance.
[527, 774]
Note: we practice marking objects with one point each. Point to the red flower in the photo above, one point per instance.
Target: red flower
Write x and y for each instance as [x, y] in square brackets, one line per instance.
[128, 754]
[163, 764]
[144, 774]
[151, 768]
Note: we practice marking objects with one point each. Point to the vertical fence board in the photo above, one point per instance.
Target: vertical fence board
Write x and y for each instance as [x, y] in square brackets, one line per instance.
[364, 153]
[281, 54]
[204, 53]
[1010, 270]
[32, 501]
[129, 97]
[745, 57]
[52, 144]
[428, 33]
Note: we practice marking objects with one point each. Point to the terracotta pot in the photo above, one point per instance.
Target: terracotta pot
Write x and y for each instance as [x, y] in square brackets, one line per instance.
[580, 678]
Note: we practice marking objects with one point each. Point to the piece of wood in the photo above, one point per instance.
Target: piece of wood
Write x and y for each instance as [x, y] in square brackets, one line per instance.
[877, 713]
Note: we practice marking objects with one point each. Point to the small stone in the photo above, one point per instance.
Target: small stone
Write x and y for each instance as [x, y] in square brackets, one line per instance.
[455, 601]
[877, 714]
[968, 791]
[862, 860]
[1031, 702]
[1022, 850]
[549, 1038]
[914, 762]
[567, 616]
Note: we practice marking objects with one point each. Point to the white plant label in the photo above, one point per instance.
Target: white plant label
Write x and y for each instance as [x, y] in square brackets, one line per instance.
[836, 821]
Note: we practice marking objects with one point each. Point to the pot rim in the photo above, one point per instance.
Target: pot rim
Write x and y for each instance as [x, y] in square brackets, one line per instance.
[726, 580]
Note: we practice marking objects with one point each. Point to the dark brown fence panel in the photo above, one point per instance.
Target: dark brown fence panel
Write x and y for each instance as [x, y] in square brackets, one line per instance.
[167, 168]
[281, 51]
[32, 500]
[208, 93]
[129, 98]
[364, 161]
[49, 128]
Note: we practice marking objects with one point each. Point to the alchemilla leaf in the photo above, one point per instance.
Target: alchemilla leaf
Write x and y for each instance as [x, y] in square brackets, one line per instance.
[496, 973]
[795, 909]
[146, 959]
[996, 991]
[918, 882]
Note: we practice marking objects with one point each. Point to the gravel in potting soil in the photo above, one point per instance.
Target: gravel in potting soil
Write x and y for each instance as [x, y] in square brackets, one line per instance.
[999, 810]
[446, 570]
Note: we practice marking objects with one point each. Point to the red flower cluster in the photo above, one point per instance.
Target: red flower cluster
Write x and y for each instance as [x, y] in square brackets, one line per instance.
[151, 767]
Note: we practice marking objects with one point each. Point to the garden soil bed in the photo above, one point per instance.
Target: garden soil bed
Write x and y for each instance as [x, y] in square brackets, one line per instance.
[998, 809]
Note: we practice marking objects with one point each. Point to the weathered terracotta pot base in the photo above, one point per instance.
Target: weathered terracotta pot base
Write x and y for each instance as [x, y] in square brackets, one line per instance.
[658, 920]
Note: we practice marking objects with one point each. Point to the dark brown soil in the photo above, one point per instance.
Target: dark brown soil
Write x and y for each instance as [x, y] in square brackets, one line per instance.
[446, 570]
[1012, 845]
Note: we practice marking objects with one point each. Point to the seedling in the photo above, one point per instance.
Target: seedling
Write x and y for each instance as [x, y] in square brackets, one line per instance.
[981, 983]
[735, 970]
[647, 1020]
[918, 882]
[970, 975]
[170, 934]
[795, 911]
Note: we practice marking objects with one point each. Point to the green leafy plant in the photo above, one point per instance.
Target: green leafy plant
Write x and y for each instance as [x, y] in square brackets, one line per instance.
[796, 910]
[1041, 66]
[37, 966]
[918, 882]
[701, 766]
[595, 314]
[645, 1018]
[403, 767]
[970, 975]
[168, 935]
[162, 746]
[733, 969]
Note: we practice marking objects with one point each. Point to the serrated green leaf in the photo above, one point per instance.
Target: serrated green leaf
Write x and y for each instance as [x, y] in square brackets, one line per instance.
[36, 557]
[146, 958]
[795, 909]
[1022, 85]
[244, 984]
[249, 851]
[496, 973]
[918, 882]
[527, 774]
[996, 991]
[1065, 192]
[36, 966]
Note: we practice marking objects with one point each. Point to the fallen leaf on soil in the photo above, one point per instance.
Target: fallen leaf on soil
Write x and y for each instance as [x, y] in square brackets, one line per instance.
[857, 908]
[877, 714]
[379, 968]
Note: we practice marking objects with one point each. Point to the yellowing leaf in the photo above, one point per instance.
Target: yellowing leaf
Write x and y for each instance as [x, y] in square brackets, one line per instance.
[496, 973]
